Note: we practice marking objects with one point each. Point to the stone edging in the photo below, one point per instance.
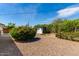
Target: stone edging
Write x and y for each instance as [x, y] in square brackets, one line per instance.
[11, 37]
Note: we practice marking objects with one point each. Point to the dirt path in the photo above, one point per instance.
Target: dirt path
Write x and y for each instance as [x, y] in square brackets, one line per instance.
[8, 47]
[49, 45]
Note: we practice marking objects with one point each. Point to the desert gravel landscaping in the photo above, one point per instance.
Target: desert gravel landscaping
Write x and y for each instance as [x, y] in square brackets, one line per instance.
[39, 29]
[49, 45]
[45, 45]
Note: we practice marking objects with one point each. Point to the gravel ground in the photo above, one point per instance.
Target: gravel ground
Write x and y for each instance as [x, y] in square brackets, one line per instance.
[49, 45]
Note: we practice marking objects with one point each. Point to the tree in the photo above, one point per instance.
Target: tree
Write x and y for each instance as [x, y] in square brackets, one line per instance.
[10, 26]
[47, 28]
[57, 24]
[76, 24]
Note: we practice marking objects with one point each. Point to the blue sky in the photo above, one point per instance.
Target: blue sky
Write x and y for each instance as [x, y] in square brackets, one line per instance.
[40, 13]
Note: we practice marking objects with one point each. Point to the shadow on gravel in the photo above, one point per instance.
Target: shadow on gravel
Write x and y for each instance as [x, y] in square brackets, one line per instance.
[8, 47]
[30, 40]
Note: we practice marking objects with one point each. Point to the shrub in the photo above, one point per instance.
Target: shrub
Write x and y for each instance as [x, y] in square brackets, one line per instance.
[47, 28]
[69, 35]
[23, 33]
[5, 30]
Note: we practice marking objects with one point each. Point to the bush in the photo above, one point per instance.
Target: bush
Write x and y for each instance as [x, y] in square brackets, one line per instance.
[47, 28]
[23, 33]
[5, 30]
[9, 27]
[69, 35]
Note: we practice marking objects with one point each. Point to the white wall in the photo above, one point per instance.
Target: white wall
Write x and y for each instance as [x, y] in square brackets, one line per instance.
[39, 31]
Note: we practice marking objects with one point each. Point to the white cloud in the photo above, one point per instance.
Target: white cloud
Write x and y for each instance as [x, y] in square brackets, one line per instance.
[68, 12]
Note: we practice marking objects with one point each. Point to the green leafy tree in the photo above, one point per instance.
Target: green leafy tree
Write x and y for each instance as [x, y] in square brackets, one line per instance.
[47, 28]
[10, 26]
[57, 24]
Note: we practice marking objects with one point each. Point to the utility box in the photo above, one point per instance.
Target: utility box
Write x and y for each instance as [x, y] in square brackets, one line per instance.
[39, 31]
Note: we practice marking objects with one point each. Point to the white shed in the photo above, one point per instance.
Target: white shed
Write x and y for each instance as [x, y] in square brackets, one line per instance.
[39, 31]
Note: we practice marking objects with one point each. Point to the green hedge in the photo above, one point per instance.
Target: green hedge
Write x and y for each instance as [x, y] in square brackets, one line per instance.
[47, 28]
[69, 35]
[23, 33]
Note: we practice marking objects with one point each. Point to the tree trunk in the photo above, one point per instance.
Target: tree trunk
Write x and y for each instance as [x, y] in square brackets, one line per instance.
[75, 29]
